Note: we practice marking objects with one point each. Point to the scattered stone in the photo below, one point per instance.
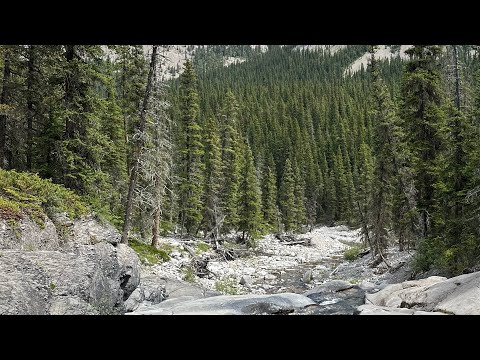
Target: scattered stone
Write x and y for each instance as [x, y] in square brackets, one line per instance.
[269, 277]
[246, 280]
[307, 277]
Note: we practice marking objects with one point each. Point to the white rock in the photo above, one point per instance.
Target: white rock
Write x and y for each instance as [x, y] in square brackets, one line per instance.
[249, 270]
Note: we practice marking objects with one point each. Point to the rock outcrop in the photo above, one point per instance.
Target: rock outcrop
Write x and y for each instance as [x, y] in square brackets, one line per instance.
[458, 295]
[65, 267]
[26, 234]
[58, 233]
[285, 303]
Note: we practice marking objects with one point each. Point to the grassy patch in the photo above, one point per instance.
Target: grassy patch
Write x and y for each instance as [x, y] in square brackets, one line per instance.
[352, 253]
[52, 286]
[166, 247]
[227, 286]
[147, 253]
[188, 274]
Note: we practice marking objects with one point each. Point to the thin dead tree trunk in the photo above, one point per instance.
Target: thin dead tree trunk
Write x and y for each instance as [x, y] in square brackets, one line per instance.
[4, 99]
[30, 112]
[156, 226]
[138, 146]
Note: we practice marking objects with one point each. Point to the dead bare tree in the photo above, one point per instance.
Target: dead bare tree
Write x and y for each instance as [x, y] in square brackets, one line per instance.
[139, 145]
[155, 160]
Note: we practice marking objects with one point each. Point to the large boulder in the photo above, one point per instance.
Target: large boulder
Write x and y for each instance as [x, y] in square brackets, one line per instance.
[129, 269]
[89, 230]
[46, 282]
[284, 303]
[153, 290]
[94, 280]
[459, 295]
[150, 291]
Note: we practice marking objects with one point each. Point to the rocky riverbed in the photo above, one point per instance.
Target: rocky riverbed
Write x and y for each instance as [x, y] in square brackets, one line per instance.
[83, 269]
[273, 267]
[311, 265]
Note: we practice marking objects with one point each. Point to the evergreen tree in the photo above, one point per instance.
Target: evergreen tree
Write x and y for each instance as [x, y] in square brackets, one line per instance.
[230, 161]
[269, 197]
[191, 166]
[423, 118]
[299, 193]
[249, 201]
[287, 197]
[341, 186]
[213, 213]
[379, 208]
[453, 244]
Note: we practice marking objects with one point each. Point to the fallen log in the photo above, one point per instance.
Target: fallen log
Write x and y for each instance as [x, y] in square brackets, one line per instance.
[306, 242]
[363, 253]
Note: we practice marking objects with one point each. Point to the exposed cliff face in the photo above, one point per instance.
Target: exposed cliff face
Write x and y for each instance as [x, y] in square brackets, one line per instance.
[63, 266]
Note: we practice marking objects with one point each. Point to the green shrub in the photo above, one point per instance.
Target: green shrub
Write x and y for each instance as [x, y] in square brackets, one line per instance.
[434, 253]
[202, 247]
[188, 274]
[166, 247]
[166, 227]
[10, 210]
[227, 285]
[26, 193]
[148, 254]
[352, 253]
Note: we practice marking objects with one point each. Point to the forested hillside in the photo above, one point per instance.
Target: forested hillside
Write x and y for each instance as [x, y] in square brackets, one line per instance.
[280, 141]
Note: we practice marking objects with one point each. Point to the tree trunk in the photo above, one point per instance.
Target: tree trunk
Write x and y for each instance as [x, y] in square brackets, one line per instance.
[69, 88]
[138, 146]
[156, 227]
[30, 112]
[4, 99]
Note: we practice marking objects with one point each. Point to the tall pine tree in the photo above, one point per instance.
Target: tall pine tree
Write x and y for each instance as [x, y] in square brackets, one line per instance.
[191, 165]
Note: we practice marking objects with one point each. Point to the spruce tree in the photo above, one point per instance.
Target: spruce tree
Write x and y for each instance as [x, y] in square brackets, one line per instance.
[231, 151]
[249, 200]
[269, 197]
[213, 213]
[287, 197]
[379, 211]
[191, 166]
[299, 193]
[423, 119]
[341, 187]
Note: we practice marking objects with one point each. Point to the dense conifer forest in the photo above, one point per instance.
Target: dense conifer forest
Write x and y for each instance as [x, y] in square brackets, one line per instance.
[281, 142]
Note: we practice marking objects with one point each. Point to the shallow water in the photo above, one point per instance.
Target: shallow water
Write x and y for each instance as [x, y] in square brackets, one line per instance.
[291, 279]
